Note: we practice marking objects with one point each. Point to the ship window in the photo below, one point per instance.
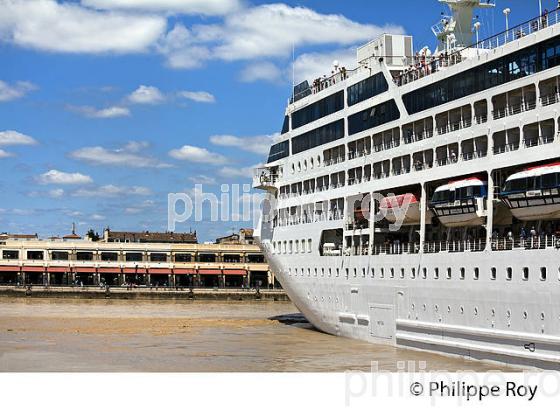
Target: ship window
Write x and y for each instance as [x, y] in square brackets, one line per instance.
[448, 273]
[290, 247]
[347, 273]
[402, 273]
[500, 71]
[509, 273]
[368, 88]
[392, 273]
[549, 181]
[286, 125]
[363, 272]
[279, 151]
[373, 117]
[317, 110]
[355, 272]
[462, 273]
[493, 274]
[424, 273]
[382, 273]
[373, 273]
[319, 136]
[413, 273]
[543, 273]
[337, 272]
[476, 273]
[436, 273]
[309, 242]
[525, 273]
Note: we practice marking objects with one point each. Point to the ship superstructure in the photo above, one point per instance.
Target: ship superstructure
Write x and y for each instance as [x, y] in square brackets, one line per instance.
[461, 145]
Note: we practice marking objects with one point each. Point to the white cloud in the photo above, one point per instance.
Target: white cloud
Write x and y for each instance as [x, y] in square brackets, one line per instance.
[108, 191]
[92, 112]
[310, 66]
[63, 178]
[56, 193]
[180, 49]
[146, 95]
[97, 217]
[265, 71]
[198, 155]
[202, 179]
[142, 207]
[128, 156]
[205, 7]
[11, 137]
[69, 28]
[197, 96]
[4, 154]
[231, 172]
[257, 145]
[12, 92]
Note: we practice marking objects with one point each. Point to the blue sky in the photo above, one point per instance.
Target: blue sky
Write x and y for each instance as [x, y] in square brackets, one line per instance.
[106, 106]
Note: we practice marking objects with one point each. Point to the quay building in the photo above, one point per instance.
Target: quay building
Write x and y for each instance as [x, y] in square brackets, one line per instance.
[149, 259]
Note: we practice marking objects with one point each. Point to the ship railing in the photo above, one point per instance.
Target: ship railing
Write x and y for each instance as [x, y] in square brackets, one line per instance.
[414, 137]
[514, 109]
[321, 84]
[455, 126]
[467, 156]
[529, 242]
[472, 245]
[550, 99]
[481, 119]
[500, 149]
[536, 141]
[425, 66]
[446, 161]
[396, 248]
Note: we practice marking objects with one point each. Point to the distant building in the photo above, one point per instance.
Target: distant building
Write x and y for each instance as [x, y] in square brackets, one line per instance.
[244, 237]
[149, 237]
[73, 236]
[18, 237]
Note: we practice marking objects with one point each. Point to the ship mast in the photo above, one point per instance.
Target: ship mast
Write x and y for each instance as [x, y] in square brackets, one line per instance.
[456, 31]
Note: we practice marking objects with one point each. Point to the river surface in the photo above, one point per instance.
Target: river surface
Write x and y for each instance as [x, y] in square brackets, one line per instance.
[190, 336]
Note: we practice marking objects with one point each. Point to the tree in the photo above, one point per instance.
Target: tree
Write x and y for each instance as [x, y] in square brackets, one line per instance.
[94, 236]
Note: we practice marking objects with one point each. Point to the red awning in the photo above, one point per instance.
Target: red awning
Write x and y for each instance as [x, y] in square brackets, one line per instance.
[80, 269]
[109, 270]
[159, 271]
[241, 272]
[184, 271]
[33, 269]
[134, 270]
[9, 268]
[58, 269]
[210, 271]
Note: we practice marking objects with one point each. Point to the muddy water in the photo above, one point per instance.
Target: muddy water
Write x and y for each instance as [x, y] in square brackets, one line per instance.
[153, 336]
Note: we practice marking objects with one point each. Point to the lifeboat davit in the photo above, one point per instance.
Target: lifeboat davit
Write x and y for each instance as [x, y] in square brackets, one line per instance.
[393, 208]
[460, 203]
[534, 194]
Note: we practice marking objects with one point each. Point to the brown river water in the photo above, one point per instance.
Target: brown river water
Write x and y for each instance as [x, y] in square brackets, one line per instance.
[191, 336]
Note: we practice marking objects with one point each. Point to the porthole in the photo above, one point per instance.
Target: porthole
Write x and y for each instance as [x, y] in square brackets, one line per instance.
[402, 273]
[424, 307]
[373, 272]
[543, 273]
[509, 273]
[299, 166]
[293, 168]
[448, 273]
[413, 273]
[412, 306]
[525, 315]
[424, 273]
[382, 273]
[337, 272]
[525, 273]
[347, 273]
[493, 274]
[436, 308]
[392, 273]
[476, 273]
[493, 312]
[363, 272]
[462, 310]
[323, 272]
[476, 311]
[448, 309]
[542, 316]
[305, 165]
[311, 163]
[463, 274]
[318, 160]
[355, 272]
[508, 313]
[436, 273]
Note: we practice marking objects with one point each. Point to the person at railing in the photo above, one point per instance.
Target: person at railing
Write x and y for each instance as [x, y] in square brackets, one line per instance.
[544, 19]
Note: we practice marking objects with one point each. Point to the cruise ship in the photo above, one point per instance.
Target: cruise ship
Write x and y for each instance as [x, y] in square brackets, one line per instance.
[415, 199]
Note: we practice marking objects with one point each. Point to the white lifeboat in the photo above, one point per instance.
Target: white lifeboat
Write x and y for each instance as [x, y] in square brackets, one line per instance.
[460, 203]
[534, 194]
[405, 207]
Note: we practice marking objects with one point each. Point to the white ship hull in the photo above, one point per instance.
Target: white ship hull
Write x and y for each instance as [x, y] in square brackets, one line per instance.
[469, 284]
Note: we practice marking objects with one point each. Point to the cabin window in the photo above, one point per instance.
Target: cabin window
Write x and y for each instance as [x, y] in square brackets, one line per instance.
[402, 273]
[476, 273]
[392, 273]
[436, 273]
[309, 242]
[347, 273]
[35, 255]
[424, 273]
[462, 274]
[373, 273]
[448, 273]
[10, 254]
[509, 273]
[543, 273]
[525, 273]
[382, 273]
[413, 273]
[493, 274]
